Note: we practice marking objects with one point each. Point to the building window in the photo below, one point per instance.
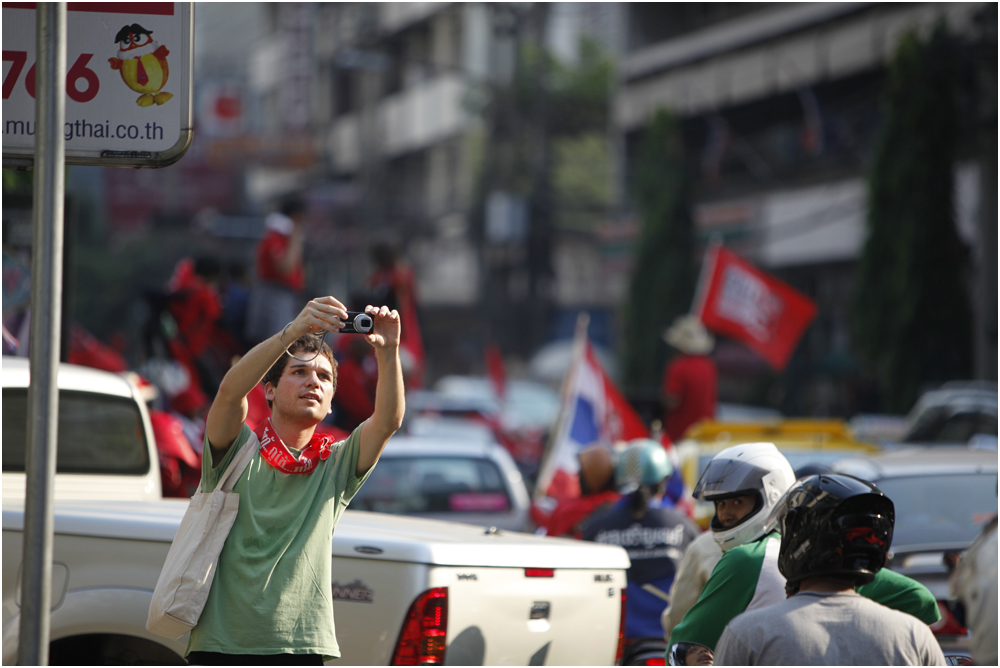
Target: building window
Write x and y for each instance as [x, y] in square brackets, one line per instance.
[344, 93]
[654, 22]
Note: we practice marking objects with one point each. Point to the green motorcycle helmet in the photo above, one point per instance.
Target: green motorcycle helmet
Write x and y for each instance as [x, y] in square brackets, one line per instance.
[644, 462]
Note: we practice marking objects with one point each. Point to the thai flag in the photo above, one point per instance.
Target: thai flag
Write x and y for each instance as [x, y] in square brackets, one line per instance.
[593, 412]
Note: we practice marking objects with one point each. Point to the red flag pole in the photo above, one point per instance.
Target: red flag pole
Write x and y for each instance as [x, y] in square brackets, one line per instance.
[705, 275]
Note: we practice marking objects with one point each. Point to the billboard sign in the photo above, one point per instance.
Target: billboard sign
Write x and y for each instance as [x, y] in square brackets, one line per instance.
[128, 83]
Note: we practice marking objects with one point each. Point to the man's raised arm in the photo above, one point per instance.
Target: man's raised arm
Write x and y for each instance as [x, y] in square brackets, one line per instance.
[229, 409]
[389, 402]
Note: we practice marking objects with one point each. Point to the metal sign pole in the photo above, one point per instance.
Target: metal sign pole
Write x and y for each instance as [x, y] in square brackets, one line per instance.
[46, 298]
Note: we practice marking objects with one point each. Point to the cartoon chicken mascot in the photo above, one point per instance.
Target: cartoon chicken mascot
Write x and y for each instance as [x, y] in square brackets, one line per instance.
[143, 64]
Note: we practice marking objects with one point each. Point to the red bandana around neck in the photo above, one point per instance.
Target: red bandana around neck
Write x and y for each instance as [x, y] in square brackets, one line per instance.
[277, 454]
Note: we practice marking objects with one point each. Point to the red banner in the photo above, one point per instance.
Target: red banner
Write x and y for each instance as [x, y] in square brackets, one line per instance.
[496, 371]
[738, 300]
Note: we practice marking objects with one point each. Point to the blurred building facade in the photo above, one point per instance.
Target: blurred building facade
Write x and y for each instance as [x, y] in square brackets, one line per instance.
[779, 105]
[371, 109]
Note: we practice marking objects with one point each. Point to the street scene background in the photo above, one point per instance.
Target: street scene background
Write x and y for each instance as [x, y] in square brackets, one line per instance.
[607, 228]
[502, 148]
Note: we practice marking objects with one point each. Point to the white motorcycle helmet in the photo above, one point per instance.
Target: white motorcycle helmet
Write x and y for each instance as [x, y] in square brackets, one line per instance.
[751, 468]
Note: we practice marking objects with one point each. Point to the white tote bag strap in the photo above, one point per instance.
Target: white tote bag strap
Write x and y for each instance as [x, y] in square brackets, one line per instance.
[239, 463]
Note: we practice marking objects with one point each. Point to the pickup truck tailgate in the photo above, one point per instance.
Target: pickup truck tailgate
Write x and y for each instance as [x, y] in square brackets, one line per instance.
[511, 598]
[508, 618]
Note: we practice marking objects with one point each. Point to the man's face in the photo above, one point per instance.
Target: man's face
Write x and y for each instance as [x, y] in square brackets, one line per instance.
[699, 656]
[730, 511]
[304, 390]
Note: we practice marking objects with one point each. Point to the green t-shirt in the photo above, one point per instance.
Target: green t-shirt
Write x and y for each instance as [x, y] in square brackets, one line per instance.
[272, 592]
[747, 577]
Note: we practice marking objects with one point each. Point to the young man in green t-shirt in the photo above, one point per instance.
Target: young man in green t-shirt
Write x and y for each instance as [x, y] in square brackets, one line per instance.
[271, 599]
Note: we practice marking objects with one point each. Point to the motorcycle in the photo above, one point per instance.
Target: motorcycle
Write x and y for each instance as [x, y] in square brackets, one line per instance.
[645, 652]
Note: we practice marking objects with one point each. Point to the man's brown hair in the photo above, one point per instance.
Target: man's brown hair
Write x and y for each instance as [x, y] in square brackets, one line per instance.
[309, 343]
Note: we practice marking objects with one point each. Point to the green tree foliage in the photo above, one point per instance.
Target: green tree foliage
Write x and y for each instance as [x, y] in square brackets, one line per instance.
[582, 166]
[579, 102]
[662, 283]
[574, 119]
[911, 317]
[545, 142]
[17, 181]
[582, 179]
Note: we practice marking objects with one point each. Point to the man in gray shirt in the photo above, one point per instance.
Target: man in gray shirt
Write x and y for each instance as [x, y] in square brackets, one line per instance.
[836, 531]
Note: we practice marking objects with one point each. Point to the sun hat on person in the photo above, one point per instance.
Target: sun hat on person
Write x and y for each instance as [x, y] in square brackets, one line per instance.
[689, 336]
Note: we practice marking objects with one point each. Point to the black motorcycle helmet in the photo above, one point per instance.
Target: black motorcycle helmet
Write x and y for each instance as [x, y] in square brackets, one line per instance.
[834, 525]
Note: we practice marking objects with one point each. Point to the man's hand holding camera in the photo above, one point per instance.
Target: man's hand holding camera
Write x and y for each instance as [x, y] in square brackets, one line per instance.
[386, 328]
[322, 313]
[329, 314]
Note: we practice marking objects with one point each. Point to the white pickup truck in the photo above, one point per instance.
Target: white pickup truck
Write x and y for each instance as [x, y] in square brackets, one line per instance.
[502, 598]
[508, 598]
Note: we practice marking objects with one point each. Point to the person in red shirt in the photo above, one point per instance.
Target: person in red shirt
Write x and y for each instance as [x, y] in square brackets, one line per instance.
[203, 346]
[356, 381]
[276, 295]
[394, 284]
[690, 379]
[195, 303]
[595, 491]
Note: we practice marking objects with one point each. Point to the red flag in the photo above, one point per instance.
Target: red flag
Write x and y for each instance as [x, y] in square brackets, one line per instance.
[495, 370]
[86, 350]
[738, 300]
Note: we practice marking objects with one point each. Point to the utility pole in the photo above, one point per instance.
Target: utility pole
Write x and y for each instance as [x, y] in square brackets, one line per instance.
[46, 302]
[541, 226]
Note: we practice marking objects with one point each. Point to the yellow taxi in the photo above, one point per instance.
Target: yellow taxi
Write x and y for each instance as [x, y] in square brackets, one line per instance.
[803, 442]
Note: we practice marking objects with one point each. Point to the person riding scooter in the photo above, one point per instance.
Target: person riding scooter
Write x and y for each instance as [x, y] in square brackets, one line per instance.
[655, 537]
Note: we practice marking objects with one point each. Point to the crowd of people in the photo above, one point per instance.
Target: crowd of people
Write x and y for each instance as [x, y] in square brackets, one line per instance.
[791, 571]
[209, 314]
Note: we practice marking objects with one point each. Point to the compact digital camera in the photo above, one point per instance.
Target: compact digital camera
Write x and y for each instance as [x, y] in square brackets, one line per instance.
[357, 323]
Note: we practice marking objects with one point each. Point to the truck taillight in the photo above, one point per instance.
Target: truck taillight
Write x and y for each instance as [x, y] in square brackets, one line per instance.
[621, 634]
[424, 634]
[539, 572]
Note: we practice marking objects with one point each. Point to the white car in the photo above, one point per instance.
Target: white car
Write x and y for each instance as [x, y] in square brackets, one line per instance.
[528, 405]
[402, 586]
[447, 477]
[958, 413]
[105, 445]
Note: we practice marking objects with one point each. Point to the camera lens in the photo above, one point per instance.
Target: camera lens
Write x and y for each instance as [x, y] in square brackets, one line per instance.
[363, 322]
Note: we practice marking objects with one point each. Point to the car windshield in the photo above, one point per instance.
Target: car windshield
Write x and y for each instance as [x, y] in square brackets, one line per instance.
[940, 509]
[945, 424]
[527, 405]
[402, 485]
[97, 433]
